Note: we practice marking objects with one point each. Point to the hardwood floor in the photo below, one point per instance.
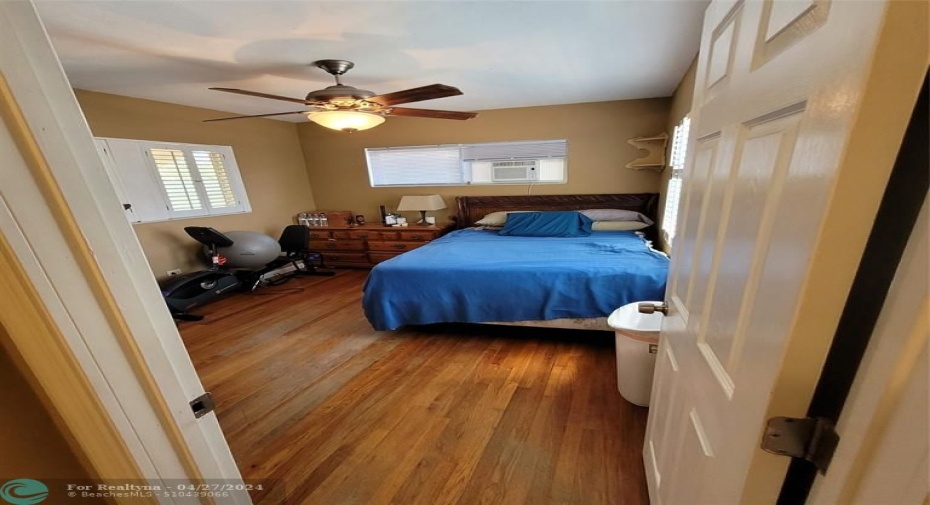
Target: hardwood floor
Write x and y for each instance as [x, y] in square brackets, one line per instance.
[310, 397]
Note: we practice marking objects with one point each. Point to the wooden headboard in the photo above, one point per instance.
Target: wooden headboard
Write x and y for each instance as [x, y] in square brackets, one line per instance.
[473, 208]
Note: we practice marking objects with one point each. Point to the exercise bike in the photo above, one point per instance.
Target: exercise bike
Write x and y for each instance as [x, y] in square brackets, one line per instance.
[185, 292]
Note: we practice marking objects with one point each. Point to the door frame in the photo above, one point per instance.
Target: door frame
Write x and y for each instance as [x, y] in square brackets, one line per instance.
[41, 352]
[66, 232]
[894, 224]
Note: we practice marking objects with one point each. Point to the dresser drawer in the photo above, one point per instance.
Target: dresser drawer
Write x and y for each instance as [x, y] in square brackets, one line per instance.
[341, 234]
[419, 236]
[379, 257]
[393, 246]
[319, 234]
[354, 258]
[337, 245]
[363, 234]
[386, 235]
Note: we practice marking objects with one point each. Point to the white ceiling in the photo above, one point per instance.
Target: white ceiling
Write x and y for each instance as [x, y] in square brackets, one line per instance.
[499, 53]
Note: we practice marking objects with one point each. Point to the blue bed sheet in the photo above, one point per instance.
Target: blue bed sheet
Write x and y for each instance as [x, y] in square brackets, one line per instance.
[474, 276]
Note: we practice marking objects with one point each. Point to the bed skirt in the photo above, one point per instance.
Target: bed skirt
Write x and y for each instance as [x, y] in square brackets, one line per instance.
[576, 323]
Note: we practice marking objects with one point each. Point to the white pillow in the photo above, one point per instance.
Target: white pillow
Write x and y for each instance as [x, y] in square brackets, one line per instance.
[497, 218]
[616, 215]
[618, 225]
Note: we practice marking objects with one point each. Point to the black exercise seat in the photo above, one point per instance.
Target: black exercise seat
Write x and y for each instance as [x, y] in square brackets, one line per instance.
[208, 236]
[295, 247]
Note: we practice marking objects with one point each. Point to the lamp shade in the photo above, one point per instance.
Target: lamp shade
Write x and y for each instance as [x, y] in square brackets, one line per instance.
[421, 202]
[345, 120]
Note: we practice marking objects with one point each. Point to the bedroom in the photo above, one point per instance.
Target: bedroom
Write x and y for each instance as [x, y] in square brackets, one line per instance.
[336, 181]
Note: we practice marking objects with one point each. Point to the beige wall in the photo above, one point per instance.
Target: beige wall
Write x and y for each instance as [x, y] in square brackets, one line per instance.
[276, 158]
[681, 99]
[30, 444]
[681, 106]
[596, 133]
[267, 151]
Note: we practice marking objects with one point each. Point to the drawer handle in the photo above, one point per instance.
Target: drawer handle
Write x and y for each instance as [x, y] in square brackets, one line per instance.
[330, 246]
[399, 246]
[416, 237]
[362, 235]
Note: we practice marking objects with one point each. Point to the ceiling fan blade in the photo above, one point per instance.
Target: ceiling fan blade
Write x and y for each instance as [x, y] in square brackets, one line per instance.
[435, 114]
[260, 95]
[257, 115]
[430, 92]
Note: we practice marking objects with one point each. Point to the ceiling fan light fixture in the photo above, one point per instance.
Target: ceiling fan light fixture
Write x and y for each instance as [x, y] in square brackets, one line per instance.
[350, 109]
[345, 120]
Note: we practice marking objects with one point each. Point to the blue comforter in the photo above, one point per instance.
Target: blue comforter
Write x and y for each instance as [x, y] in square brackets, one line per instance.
[475, 276]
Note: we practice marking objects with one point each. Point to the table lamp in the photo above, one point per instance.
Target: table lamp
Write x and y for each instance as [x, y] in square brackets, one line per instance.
[421, 203]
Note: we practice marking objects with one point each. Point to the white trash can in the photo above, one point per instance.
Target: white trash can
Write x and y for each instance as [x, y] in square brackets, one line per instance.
[637, 341]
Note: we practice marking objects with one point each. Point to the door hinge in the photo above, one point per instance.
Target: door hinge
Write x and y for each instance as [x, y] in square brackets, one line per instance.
[202, 405]
[808, 438]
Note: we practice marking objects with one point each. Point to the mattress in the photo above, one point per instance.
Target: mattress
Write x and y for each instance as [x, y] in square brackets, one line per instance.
[476, 276]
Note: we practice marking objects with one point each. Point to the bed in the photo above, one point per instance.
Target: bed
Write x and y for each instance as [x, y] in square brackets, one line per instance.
[474, 275]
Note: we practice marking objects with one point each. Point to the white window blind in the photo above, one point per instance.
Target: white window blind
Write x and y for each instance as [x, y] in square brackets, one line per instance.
[677, 163]
[159, 181]
[410, 166]
[461, 164]
[514, 150]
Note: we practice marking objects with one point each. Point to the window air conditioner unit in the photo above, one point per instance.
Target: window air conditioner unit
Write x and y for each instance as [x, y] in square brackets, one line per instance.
[514, 171]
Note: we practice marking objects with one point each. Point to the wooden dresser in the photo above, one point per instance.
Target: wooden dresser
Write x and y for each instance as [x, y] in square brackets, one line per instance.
[368, 245]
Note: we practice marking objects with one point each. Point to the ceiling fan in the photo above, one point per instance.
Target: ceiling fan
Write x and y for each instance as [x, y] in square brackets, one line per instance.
[350, 109]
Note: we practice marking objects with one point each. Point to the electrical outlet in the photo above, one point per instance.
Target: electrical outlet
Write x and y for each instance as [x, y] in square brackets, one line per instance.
[172, 273]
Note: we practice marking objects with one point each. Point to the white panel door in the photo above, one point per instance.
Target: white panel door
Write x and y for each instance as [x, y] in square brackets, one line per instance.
[779, 108]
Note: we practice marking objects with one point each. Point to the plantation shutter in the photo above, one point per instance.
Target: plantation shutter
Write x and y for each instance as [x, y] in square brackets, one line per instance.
[160, 181]
[677, 163]
[216, 181]
[177, 181]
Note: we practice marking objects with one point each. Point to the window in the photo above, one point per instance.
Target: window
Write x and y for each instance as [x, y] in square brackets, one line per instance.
[677, 163]
[159, 181]
[410, 166]
[532, 162]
